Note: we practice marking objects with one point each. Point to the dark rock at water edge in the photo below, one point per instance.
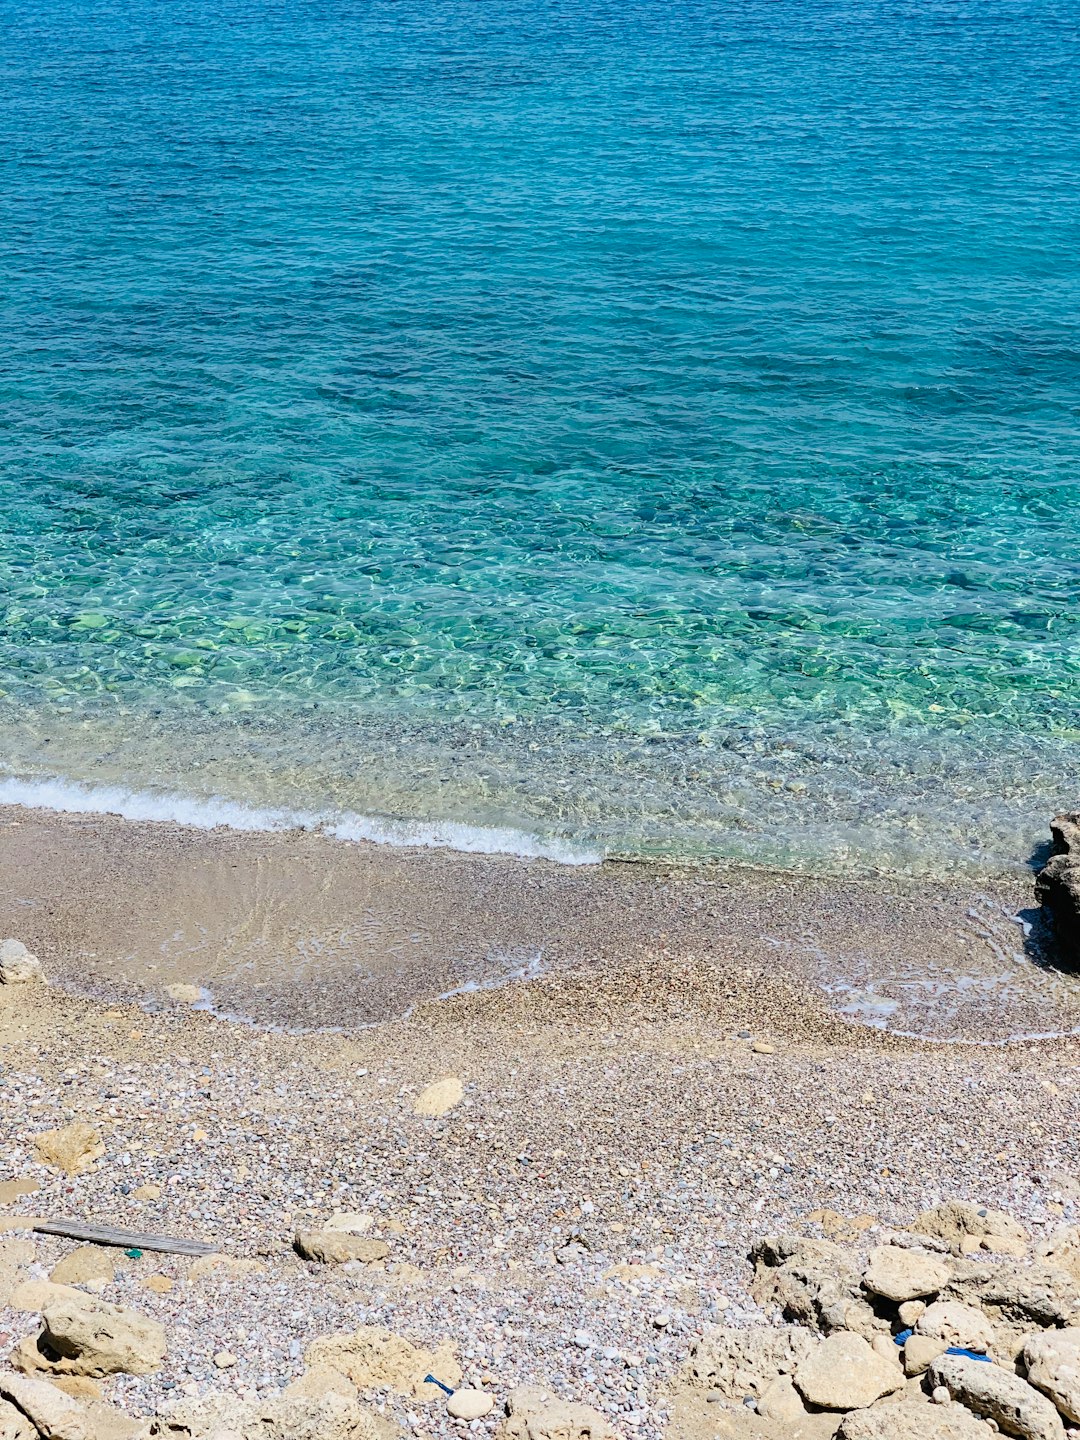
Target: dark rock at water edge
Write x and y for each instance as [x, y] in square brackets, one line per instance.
[1058, 884]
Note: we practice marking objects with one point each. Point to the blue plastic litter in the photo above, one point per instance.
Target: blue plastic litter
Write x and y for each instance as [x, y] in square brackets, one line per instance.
[904, 1335]
[431, 1380]
[970, 1354]
[133, 1253]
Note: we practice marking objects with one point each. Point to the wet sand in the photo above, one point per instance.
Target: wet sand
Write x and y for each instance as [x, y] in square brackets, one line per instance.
[301, 931]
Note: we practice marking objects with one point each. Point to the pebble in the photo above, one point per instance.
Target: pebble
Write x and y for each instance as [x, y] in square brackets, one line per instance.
[470, 1404]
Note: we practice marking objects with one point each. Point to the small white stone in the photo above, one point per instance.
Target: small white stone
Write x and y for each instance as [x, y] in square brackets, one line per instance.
[940, 1396]
[225, 1360]
[469, 1404]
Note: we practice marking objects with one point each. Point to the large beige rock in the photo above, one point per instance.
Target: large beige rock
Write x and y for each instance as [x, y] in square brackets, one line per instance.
[54, 1415]
[283, 1417]
[781, 1402]
[1028, 1296]
[921, 1351]
[814, 1283]
[846, 1373]
[999, 1395]
[1052, 1358]
[535, 1413]
[14, 1425]
[32, 1296]
[439, 1098]
[73, 1148]
[18, 966]
[96, 1338]
[739, 1363]
[322, 1380]
[1061, 1250]
[900, 1275]
[86, 1263]
[913, 1420]
[338, 1247]
[372, 1357]
[956, 1324]
[15, 1254]
[967, 1228]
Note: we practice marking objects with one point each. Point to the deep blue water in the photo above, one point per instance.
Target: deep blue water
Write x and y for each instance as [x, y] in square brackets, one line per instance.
[656, 426]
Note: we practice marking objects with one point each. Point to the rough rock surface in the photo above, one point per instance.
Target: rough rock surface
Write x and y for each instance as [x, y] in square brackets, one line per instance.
[73, 1148]
[846, 1373]
[900, 1275]
[956, 1324]
[780, 1401]
[1024, 1295]
[338, 1247]
[1058, 883]
[996, 1394]
[18, 966]
[371, 1357]
[913, 1420]
[100, 1339]
[54, 1415]
[534, 1413]
[215, 1416]
[815, 1283]
[1052, 1358]
[14, 1425]
[1061, 1250]
[967, 1228]
[87, 1262]
[738, 1363]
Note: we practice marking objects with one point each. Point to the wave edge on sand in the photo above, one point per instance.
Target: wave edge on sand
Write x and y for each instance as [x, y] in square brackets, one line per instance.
[73, 798]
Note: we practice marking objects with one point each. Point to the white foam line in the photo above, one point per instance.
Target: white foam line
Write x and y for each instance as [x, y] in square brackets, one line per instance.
[68, 797]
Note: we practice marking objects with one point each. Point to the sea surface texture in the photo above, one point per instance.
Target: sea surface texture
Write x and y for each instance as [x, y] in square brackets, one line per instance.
[573, 427]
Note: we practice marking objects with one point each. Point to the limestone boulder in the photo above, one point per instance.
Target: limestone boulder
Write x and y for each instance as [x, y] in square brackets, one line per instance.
[1052, 1359]
[897, 1274]
[86, 1263]
[781, 1402]
[53, 1415]
[956, 1324]
[968, 1228]
[814, 1283]
[1029, 1296]
[14, 1425]
[535, 1413]
[738, 1363]
[913, 1420]
[372, 1357]
[338, 1247]
[18, 966]
[73, 1148]
[1061, 1251]
[920, 1351]
[96, 1338]
[844, 1372]
[216, 1416]
[1014, 1406]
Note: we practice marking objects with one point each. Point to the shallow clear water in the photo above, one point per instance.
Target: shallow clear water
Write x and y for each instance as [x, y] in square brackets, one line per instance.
[655, 427]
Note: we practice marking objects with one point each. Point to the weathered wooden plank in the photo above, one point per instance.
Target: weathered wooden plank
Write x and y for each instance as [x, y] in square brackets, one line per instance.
[126, 1239]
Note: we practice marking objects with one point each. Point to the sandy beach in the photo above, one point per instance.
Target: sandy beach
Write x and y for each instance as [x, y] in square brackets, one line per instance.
[668, 1084]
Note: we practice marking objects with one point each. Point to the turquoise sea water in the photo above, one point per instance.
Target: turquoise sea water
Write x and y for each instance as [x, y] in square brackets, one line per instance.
[653, 428]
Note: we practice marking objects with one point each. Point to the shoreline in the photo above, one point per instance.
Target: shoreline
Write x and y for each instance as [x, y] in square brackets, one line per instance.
[300, 931]
[577, 1220]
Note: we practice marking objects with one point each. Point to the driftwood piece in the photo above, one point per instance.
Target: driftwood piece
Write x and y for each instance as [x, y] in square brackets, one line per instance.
[126, 1239]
